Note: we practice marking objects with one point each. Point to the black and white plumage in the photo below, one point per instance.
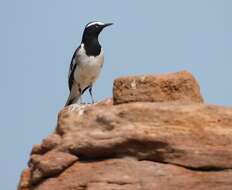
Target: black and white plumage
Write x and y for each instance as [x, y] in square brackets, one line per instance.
[86, 62]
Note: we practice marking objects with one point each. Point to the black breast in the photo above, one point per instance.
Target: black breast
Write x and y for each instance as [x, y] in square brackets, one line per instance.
[92, 47]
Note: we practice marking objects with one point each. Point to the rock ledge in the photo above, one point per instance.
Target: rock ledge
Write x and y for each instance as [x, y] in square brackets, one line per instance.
[165, 140]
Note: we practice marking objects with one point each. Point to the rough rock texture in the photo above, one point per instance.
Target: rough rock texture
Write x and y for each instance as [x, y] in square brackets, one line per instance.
[168, 145]
[157, 88]
[131, 174]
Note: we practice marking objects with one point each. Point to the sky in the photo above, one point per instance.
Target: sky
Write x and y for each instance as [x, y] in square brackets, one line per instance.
[38, 39]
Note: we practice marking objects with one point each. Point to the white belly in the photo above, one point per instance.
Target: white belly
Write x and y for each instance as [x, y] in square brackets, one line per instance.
[88, 69]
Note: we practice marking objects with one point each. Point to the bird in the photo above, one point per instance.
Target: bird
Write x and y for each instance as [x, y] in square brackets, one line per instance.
[86, 63]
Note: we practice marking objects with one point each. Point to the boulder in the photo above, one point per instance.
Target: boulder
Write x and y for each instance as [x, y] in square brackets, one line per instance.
[139, 144]
[180, 86]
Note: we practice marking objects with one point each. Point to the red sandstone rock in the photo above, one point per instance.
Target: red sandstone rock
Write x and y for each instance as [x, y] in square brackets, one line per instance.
[141, 145]
[190, 135]
[49, 143]
[130, 174]
[49, 165]
[181, 86]
[24, 183]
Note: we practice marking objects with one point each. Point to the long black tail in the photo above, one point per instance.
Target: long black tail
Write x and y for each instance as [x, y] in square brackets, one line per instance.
[73, 98]
[69, 102]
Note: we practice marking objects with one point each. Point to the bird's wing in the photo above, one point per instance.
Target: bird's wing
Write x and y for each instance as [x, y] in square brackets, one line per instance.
[72, 68]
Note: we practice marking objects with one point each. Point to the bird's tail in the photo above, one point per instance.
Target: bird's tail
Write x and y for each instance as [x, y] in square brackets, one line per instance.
[73, 98]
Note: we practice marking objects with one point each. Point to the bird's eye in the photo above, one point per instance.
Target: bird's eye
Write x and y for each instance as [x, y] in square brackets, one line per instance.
[96, 26]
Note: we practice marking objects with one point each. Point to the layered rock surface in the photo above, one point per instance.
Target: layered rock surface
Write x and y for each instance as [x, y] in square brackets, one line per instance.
[180, 86]
[134, 143]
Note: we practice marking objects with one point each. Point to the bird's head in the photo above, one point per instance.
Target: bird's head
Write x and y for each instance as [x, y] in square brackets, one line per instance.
[93, 29]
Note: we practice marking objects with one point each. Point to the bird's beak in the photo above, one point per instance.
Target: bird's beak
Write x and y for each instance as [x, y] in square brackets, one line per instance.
[107, 24]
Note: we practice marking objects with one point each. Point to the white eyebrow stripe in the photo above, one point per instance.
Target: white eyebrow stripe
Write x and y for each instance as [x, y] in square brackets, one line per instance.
[93, 23]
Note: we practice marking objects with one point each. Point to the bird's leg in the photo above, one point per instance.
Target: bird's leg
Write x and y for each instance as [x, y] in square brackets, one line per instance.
[90, 92]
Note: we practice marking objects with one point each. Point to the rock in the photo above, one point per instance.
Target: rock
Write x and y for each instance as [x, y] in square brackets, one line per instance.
[130, 174]
[186, 134]
[181, 86]
[49, 143]
[142, 145]
[49, 165]
[25, 180]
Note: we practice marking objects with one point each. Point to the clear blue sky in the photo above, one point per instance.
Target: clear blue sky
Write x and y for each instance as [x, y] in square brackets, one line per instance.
[38, 39]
